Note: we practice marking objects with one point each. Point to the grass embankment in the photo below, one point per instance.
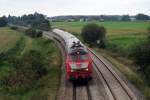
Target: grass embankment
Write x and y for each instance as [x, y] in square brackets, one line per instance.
[122, 38]
[128, 68]
[28, 69]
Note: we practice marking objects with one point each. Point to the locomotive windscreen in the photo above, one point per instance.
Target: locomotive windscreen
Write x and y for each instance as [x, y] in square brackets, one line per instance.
[74, 57]
[83, 57]
[78, 56]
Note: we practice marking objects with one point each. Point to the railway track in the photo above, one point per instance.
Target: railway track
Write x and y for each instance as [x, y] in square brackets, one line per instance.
[69, 91]
[117, 86]
[81, 92]
[106, 84]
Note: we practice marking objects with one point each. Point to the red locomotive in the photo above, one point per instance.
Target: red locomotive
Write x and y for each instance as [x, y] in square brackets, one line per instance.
[78, 62]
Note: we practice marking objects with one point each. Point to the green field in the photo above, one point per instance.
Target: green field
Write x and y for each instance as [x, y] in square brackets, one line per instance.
[19, 86]
[123, 35]
[113, 28]
[8, 38]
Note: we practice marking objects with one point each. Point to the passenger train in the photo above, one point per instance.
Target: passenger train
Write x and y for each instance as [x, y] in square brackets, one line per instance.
[78, 60]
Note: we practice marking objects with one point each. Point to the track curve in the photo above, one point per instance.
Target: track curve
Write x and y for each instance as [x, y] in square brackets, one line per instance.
[106, 84]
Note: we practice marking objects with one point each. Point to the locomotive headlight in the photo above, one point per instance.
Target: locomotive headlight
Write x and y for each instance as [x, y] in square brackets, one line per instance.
[86, 69]
[72, 70]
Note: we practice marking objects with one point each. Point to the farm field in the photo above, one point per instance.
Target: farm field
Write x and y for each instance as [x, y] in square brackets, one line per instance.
[123, 35]
[113, 28]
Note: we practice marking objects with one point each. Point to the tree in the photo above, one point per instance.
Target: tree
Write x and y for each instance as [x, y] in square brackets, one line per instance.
[94, 34]
[142, 54]
[147, 74]
[36, 20]
[142, 17]
[3, 21]
[125, 18]
[42, 25]
[33, 33]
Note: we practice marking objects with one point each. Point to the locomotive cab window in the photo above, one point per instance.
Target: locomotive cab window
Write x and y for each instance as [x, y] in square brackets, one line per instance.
[83, 57]
[78, 56]
[73, 57]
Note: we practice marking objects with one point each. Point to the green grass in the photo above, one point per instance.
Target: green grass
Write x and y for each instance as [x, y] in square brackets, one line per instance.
[8, 38]
[44, 88]
[125, 43]
[14, 49]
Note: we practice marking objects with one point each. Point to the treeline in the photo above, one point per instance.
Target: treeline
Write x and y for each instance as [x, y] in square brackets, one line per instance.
[70, 18]
[36, 21]
[3, 21]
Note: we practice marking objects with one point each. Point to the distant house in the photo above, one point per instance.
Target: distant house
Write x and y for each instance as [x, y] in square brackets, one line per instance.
[88, 19]
[132, 18]
[102, 20]
[70, 20]
[82, 20]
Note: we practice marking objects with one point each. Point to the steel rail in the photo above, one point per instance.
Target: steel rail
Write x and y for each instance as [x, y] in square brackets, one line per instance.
[122, 83]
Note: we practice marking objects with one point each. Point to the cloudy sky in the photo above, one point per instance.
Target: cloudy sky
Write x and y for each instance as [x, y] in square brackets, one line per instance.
[74, 7]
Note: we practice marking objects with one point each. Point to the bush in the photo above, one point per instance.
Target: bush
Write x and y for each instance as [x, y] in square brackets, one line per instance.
[33, 33]
[29, 68]
[39, 33]
[94, 35]
[13, 27]
[30, 32]
[141, 56]
[147, 74]
[42, 25]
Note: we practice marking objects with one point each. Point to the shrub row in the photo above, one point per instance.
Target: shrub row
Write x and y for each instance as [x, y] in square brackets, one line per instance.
[33, 33]
[28, 68]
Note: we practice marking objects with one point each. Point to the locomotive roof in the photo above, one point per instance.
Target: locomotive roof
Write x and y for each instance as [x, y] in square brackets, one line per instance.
[69, 39]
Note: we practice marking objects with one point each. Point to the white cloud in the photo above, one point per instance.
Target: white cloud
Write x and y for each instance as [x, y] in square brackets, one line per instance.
[74, 7]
